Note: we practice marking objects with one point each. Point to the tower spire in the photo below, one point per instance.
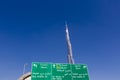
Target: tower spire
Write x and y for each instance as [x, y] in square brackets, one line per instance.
[70, 56]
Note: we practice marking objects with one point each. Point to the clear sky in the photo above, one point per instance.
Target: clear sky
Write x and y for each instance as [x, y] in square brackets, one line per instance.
[34, 31]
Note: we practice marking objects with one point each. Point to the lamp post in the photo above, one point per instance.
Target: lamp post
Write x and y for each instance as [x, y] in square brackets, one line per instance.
[24, 67]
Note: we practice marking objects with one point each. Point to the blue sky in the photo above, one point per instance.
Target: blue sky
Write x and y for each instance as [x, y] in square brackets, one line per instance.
[34, 31]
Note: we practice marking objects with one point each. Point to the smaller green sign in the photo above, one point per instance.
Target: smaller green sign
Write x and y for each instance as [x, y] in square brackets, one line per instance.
[79, 72]
[61, 72]
[41, 71]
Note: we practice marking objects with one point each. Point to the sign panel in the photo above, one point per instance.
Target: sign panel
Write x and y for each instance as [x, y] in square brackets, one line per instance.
[41, 71]
[61, 72]
[47, 71]
[79, 72]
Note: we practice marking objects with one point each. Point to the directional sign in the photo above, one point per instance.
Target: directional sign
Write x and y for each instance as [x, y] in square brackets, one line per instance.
[49, 71]
[61, 72]
[41, 71]
[79, 72]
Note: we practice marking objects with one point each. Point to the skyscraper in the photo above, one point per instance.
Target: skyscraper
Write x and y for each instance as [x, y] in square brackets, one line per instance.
[70, 55]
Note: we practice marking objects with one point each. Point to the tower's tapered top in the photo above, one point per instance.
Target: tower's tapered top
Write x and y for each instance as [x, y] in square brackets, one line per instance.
[70, 57]
[66, 28]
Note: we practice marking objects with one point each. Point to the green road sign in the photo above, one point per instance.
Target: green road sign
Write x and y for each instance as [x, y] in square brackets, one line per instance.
[41, 71]
[61, 72]
[49, 71]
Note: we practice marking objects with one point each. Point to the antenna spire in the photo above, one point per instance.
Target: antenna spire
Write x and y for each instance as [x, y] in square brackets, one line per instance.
[70, 57]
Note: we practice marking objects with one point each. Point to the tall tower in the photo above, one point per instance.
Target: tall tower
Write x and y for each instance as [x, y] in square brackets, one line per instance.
[70, 56]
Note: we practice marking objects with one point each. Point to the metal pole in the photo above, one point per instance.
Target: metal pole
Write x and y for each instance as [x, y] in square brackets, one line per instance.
[24, 67]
